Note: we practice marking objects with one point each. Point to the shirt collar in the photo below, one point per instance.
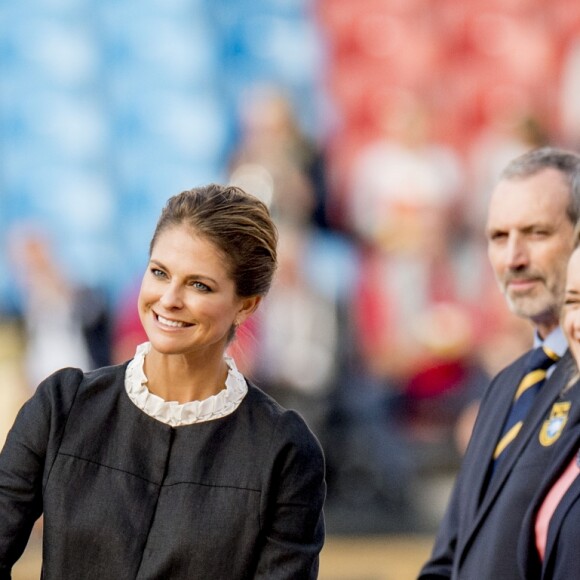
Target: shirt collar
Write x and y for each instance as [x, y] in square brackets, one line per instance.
[555, 341]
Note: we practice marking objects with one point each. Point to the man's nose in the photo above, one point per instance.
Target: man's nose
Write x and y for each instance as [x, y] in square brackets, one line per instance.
[517, 255]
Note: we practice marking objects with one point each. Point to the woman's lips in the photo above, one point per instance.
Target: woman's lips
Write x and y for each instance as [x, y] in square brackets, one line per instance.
[171, 323]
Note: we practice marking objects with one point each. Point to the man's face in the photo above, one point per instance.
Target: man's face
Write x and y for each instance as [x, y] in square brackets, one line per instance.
[530, 239]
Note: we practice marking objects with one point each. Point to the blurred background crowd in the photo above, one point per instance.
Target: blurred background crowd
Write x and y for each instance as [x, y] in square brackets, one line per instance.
[374, 129]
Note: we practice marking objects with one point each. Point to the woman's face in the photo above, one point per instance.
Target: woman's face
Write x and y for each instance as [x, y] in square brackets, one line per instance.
[571, 309]
[188, 303]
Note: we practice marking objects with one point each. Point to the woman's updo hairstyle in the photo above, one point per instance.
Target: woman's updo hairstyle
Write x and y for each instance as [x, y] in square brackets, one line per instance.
[237, 223]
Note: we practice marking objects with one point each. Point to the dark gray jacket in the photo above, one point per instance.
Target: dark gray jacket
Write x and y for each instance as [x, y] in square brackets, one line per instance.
[125, 496]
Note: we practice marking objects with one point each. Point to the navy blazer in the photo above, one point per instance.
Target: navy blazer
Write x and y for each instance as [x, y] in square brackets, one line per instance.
[562, 555]
[479, 533]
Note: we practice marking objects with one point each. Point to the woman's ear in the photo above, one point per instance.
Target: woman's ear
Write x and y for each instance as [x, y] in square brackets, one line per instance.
[248, 306]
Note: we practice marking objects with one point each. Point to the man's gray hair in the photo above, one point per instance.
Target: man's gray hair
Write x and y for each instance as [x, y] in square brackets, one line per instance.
[562, 160]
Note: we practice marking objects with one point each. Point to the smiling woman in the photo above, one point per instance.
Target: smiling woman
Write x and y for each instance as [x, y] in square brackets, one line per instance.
[173, 464]
[188, 306]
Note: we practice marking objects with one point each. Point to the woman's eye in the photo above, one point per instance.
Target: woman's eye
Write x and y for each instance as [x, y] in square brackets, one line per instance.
[157, 272]
[201, 286]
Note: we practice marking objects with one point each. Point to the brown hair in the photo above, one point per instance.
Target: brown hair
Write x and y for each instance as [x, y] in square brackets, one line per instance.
[237, 223]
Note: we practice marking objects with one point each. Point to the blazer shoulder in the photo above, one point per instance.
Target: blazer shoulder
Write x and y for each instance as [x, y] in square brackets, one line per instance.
[61, 388]
[515, 365]
[106, 375]
[507, 375]
[285, 425]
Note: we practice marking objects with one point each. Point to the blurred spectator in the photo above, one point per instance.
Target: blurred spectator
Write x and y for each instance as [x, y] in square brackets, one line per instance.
[509, 131]
[276, 159]
[415, 306]
[66, 324]
[417, 328]
[298, 334]
[569, 91]
[401, 168]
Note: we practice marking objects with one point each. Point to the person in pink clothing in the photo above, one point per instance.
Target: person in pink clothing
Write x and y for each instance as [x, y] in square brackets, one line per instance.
[549, 547]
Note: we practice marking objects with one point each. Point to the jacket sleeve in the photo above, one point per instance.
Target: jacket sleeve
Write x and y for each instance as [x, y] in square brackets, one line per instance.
[440, 564]
[293, 520]
[442, 559]
[23, 463]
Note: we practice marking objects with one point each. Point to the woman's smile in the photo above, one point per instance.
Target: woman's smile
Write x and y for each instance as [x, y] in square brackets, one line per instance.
[172, 323]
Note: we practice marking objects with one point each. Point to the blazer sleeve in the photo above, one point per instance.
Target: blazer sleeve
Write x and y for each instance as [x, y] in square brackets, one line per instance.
[440, 564]
[23, 462]
[442, 559]
[293, 504]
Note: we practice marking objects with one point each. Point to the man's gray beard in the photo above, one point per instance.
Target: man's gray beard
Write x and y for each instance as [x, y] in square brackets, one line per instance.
[532, 309]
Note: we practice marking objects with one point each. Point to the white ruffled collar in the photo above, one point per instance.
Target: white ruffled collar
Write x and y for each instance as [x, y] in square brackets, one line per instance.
[175, 414]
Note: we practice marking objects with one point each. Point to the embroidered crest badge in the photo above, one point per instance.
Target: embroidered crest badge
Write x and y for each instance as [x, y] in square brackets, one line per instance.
[554, 424]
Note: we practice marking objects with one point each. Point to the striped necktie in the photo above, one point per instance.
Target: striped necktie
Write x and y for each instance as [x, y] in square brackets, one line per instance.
[541, 359]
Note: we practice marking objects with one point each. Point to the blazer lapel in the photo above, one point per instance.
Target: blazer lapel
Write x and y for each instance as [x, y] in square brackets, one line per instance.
[494, 419]
[548, 394]
[566, 451]
[544, 401]
[564, 506]
[527, 551]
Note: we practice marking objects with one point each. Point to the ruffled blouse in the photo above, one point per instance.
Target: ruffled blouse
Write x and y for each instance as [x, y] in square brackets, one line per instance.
[177, 414]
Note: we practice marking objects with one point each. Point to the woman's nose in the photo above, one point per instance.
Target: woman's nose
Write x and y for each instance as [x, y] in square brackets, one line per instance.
[171, 298]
